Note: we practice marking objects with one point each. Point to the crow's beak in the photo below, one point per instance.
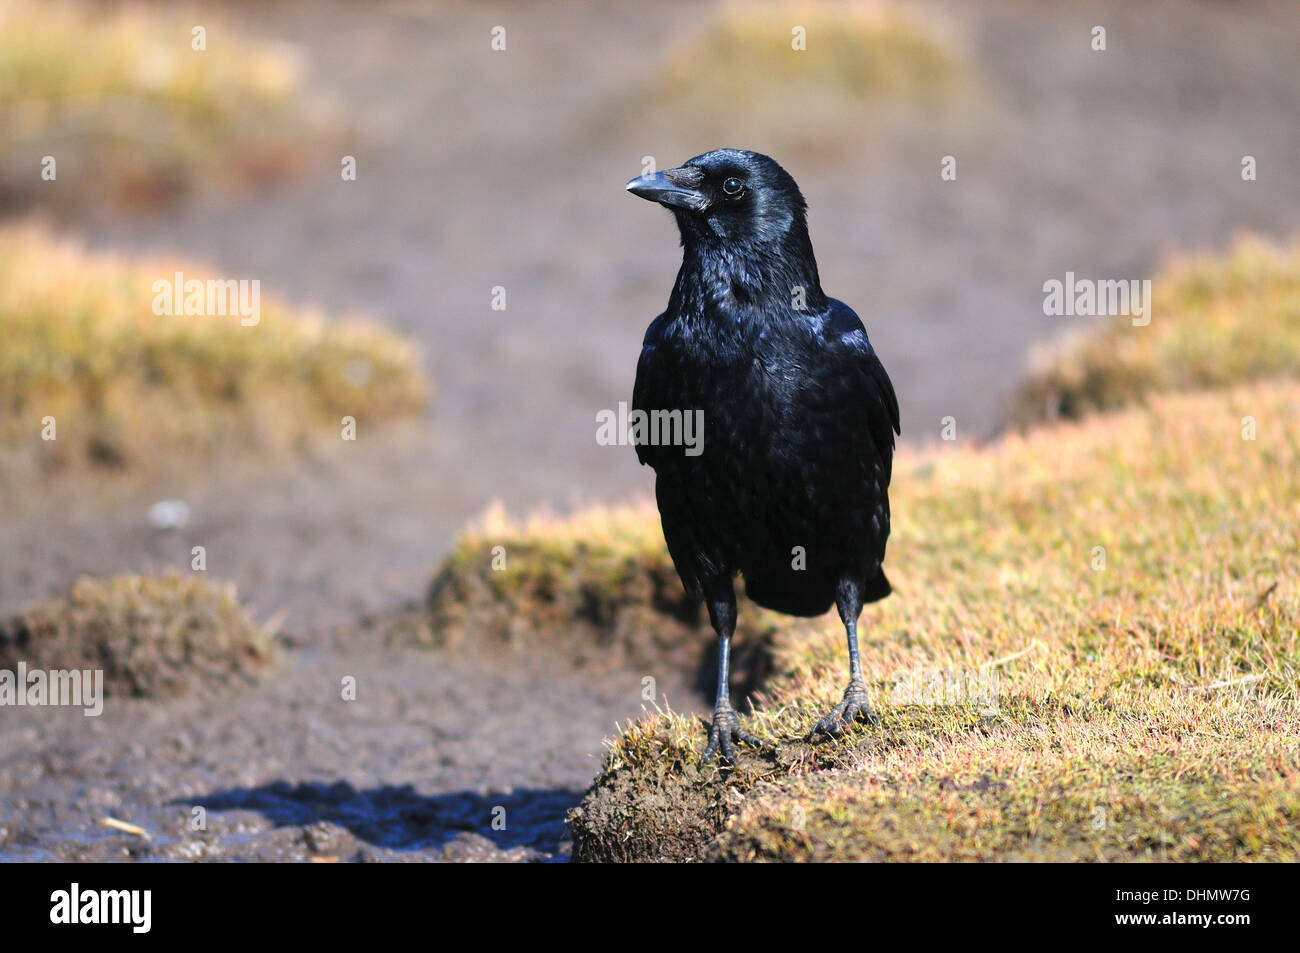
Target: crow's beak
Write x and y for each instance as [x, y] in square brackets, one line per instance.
[671, 188]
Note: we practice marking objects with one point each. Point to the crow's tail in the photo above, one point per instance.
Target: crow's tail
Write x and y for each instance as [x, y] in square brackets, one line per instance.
[806, 593]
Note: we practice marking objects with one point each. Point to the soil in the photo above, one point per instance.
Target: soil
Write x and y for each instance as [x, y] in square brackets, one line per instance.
[436, 759]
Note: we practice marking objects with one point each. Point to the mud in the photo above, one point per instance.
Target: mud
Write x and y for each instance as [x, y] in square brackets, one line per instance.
[438, 758]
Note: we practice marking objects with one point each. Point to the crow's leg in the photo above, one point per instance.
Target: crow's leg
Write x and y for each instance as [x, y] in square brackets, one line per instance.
[720, 595]
[854, 707]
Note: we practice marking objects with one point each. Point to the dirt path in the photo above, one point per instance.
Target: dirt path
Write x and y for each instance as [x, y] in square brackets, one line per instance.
[478, 170]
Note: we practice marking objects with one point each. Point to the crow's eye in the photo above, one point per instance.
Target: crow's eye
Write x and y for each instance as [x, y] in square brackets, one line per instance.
[733, 187]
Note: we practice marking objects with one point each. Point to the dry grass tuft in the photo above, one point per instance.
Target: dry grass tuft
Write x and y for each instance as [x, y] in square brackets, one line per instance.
[737, 80]
[599, 583]
[153, 636]
[128, 388]
[1215, 321]
[132, 114]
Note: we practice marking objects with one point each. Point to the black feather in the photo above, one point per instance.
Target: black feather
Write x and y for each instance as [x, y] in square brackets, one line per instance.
[791, 489]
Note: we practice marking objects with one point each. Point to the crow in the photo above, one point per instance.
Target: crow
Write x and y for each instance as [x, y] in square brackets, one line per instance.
[791, 486]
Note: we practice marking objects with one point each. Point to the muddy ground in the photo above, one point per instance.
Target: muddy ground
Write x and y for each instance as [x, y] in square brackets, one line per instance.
[438, 758]
[475, 172]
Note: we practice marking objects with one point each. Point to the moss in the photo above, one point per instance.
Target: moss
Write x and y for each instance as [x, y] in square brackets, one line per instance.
[1215, 321]
[153, 636]
[654, 802]
[130, 388]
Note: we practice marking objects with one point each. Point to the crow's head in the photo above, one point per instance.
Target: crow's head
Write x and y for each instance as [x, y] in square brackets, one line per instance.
[732, 195]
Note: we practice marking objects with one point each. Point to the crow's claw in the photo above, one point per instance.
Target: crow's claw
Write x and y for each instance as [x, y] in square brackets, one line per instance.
[853, 708]
[725, 728]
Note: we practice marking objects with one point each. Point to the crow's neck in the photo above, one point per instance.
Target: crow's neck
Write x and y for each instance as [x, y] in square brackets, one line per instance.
[740, 282]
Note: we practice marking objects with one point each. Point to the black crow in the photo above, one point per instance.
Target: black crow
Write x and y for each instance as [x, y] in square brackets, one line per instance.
[790, 488]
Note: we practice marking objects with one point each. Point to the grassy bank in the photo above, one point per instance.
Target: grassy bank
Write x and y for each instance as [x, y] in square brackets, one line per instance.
[599, 585]
[133, 114]
[1144, 705]
[1215, 321]
[126, 387]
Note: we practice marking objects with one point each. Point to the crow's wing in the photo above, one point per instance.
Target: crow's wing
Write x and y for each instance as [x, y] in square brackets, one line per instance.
[652, 389]
[853, 360]
[661, 385]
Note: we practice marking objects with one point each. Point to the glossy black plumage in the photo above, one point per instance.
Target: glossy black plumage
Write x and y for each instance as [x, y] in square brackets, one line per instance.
[799, 414]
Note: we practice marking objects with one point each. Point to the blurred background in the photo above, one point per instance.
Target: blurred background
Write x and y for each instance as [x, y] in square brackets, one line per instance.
[479, 168]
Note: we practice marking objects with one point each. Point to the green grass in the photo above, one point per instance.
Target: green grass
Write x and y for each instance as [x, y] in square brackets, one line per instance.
[1216, 321]
[128, 388]
[153, 636]
[134, 115]
[1161, 689]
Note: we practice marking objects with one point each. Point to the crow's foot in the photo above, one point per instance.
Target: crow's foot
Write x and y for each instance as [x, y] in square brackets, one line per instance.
[853, 708]
[725, 728]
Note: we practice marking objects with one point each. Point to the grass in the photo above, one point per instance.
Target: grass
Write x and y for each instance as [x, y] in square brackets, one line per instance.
[1216, 321]
[599, 584]
[128, 388]
[153, 636]
[1182, 781]
[132, 114]
[1160, 690]
[736, 80]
